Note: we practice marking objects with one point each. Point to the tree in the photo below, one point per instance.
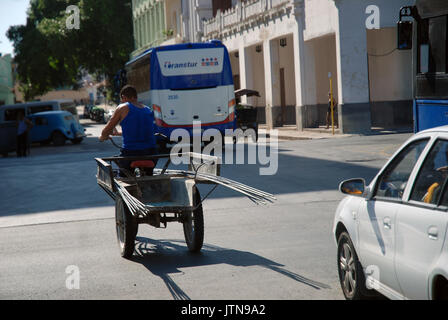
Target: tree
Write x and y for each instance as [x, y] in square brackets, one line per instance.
[50, 55]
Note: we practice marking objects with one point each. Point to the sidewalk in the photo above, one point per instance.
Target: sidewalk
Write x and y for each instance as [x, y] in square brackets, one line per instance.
[290, 133]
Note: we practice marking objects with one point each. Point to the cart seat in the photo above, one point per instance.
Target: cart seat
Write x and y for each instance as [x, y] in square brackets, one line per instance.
[148, 164]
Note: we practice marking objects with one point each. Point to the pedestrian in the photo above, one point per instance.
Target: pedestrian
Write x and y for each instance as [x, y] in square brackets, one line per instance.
[23, 127]
[138, 131]
[328, 120]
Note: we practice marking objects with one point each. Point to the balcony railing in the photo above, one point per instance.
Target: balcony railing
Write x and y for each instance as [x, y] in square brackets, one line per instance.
[242, 12]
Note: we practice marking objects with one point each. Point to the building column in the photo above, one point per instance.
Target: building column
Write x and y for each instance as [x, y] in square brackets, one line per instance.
[272, 81]
[246, 72]
[148, 27]
[136, 41]
[299, 65]
[153, 24]
[353, 78]
[185, 20]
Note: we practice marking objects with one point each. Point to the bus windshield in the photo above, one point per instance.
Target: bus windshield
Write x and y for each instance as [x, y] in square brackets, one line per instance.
[190, 69]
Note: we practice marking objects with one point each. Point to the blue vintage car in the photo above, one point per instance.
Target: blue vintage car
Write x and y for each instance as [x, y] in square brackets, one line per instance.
[56, 127]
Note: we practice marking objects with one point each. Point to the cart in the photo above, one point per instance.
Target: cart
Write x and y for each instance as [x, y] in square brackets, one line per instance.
[246, 115]
[167, 196]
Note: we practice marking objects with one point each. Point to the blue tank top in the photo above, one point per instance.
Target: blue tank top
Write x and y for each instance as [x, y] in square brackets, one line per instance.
[138, 129]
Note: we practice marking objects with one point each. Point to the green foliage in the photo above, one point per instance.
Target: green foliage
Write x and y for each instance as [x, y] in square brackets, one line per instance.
[49, 55]
[168, 33]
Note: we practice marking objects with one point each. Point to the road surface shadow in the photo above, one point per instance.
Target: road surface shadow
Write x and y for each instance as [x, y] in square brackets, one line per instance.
[166, 257]
[68, 182]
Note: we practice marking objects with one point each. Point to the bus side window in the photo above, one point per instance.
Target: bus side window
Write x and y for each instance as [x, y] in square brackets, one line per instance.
[138, 75]
[423, 48]
[11, 114]
[36, 109]
[437, 43]
[432, 45]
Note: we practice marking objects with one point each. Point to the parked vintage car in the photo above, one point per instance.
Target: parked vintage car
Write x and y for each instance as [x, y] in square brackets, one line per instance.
[55, 127]
[391, 235]
[8, 119]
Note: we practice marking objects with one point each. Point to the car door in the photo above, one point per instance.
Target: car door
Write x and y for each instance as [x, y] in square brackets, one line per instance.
[40, 129]
[377, 217]
[421, 224]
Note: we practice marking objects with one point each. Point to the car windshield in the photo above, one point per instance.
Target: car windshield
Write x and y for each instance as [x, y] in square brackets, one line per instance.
[70, 107]
[395, 177]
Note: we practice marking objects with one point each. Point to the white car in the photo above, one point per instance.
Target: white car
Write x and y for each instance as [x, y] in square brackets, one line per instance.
[391, 235]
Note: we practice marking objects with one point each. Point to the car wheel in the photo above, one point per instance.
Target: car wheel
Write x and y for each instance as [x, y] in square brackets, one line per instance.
[45, 143]
[351, 274]
[77, 140]
[58, 138]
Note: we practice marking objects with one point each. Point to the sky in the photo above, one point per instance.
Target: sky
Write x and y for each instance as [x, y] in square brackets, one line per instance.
[12, 12]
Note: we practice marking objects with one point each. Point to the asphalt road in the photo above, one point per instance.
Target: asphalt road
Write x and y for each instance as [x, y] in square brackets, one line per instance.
[54, 216]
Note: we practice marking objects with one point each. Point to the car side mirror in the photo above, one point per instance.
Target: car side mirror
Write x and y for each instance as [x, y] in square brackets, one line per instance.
[353, 187]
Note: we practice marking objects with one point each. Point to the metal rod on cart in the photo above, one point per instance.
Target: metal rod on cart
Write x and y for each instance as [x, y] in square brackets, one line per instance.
[245, 187]
[134, 205]
[254, 197]
[255, 194]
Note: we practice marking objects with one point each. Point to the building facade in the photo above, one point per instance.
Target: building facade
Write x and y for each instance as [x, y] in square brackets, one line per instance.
[6, 80]
[289, 49]
[149, 24]
[165, 22]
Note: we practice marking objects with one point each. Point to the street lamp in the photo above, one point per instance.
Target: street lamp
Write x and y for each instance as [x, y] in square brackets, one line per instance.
[331, 101]
[283, 42]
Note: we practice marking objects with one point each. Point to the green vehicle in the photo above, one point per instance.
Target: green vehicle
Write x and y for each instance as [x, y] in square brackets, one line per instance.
[97, 114]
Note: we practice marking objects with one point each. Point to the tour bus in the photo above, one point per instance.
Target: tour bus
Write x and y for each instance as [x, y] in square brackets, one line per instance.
[185, 83]
[423, 29]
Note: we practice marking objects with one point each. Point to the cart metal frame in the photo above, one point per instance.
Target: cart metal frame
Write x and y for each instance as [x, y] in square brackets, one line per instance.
[159, 199]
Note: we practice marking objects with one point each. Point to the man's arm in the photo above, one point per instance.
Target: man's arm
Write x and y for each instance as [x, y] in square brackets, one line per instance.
[117, 117]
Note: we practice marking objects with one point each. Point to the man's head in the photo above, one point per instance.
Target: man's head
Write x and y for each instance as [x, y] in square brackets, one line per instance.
[128, 94]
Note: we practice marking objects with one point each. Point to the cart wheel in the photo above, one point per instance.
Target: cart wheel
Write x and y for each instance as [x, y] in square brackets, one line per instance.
[126, 228]
[194, 225]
